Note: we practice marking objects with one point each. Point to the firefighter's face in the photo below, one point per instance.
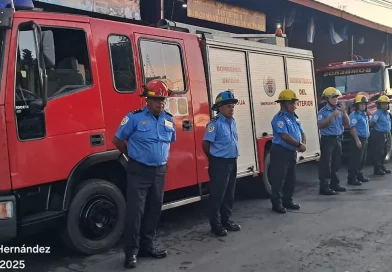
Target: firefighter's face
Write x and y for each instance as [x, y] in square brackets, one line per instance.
[290, 106]
[384, 106]
[227, 110]
[362, 106]
[333, 100]
[156, 105]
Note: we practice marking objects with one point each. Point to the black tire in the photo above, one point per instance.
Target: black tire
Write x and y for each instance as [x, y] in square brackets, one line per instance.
[266, 181]
[80, 228]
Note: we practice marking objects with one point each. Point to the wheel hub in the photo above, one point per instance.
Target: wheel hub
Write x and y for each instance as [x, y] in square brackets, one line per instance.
[98, 217]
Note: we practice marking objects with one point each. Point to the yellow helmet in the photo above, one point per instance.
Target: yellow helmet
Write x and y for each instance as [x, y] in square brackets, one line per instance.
[331, 92]
[383, 99]
[360, 98]
[287, 95]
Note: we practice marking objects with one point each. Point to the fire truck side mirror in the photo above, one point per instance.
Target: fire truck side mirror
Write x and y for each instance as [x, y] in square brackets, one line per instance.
[48, 49]
[44, 44]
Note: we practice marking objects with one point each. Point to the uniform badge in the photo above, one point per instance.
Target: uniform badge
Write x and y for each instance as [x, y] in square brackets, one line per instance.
[124, 120]
[375, 117]
[353, 121]
[280, 124]
[143, 123]
[319, 117]
[211, 128]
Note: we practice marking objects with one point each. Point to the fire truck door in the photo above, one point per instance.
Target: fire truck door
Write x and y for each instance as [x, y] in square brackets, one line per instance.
[164, 58]
[47, 144]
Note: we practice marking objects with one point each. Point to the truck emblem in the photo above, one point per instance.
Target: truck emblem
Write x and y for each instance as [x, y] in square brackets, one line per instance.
[269, 85]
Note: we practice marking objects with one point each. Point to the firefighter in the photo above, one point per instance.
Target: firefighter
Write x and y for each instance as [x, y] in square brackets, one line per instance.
[148, 132]
[381, 124]
[359, 128]
[288, 139]
[331, 121]
[220, 144]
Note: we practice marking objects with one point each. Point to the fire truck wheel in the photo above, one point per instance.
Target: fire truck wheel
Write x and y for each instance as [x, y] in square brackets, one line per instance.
[95, 220]
[267, 184]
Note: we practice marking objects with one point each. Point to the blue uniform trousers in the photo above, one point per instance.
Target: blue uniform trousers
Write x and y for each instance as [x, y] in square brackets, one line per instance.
[379, 147]
[223, 176]
[330, 160]
[357, 159]
[145, 190]
[283, 167]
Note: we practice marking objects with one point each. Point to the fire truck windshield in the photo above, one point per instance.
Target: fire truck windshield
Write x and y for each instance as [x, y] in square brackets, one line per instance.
[349, 80]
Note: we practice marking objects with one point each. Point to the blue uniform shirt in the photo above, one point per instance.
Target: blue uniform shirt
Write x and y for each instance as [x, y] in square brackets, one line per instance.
[148, 139]
[335, 127]
[381, 120]
[222, 134]
[286, 123]
[359, 120]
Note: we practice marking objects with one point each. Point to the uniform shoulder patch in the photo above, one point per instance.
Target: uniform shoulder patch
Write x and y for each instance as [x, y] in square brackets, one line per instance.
[124, 120]
[168, 113]
[210, 128]
[137, 111]
[375, 117]
[280, 124]
[215, 118]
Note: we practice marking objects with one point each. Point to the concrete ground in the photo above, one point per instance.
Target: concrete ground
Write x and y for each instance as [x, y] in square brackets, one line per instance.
[348, 232]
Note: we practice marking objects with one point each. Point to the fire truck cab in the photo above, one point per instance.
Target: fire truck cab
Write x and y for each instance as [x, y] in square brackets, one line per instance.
[352, 77]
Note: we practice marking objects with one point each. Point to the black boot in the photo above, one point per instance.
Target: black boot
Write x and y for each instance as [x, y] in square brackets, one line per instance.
[231, 226]
[387, 171]
[130, 259]
[355, 182]
[361, 178]
[291, 205]
[278, 208]
[338, 188]
[152, 252]
[219, 230]
[327, 191]
[378, 171]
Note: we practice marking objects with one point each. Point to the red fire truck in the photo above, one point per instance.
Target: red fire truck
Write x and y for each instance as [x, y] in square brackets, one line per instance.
[66, 83]
[352, 77]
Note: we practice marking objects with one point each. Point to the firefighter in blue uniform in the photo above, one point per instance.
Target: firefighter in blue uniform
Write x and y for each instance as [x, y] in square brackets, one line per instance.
[380, 123]
[359, 129]
[331, 121]
[220, 144]
[288, 139]
[148, 133]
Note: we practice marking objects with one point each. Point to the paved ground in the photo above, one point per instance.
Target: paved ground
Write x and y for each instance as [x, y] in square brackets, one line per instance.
[350, 232]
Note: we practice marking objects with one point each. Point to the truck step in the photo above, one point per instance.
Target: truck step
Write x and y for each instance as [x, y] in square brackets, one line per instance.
[42, 216]
[180, 202]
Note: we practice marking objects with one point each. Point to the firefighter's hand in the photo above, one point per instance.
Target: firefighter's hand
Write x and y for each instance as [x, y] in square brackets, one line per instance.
[359, 144]
[343, 107]
[336, 113]
[302, 148]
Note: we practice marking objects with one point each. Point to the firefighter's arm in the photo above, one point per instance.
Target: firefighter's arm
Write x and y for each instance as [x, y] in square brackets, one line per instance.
[373, 120]
[123, 133]
[209, 137]
[353, 129]
[323, 120]
[206, 147]
[280, 127]
[346, 119]
[120, 145]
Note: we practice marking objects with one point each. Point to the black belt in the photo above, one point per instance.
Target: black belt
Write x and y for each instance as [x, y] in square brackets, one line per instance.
[332, 136]
[144, 165]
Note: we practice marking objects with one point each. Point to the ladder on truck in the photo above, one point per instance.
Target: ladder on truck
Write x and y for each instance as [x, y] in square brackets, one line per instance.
[262, 38]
